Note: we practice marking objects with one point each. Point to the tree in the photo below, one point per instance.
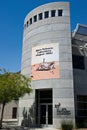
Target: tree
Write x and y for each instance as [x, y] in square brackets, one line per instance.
[12, 87]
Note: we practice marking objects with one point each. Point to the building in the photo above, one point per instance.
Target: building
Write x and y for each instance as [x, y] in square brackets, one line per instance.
[56, 60]
[79, 54]
[47, 58]
[10, 116]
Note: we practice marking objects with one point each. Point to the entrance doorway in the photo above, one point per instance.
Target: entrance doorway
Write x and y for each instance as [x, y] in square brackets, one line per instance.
[45, 114]
[44, 108]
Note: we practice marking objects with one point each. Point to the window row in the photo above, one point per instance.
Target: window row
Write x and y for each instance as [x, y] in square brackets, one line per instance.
[78, 62]
[46, 14]
[82, 113]
[82, 105]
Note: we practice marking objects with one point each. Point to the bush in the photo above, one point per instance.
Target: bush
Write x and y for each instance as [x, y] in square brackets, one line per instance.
[67, 125]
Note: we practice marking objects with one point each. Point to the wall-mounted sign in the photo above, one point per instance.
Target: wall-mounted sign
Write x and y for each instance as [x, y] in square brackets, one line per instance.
[45, 61]
[62, 110]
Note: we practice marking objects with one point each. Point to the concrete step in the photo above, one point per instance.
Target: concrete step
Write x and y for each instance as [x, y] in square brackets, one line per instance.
[48, 128]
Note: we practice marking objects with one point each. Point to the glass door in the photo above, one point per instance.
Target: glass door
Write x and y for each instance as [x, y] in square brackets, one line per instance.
[45, 114]
[50, 117]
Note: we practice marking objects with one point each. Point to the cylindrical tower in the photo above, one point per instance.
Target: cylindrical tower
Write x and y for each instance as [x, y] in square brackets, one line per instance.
[47, 59]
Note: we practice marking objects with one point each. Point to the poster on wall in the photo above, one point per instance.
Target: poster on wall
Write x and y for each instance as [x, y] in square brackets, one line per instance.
[45, 61]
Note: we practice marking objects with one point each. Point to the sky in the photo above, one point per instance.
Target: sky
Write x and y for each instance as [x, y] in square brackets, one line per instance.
[12, 15]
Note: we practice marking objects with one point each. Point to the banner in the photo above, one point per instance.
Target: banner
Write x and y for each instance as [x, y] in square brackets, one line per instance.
[45, 61]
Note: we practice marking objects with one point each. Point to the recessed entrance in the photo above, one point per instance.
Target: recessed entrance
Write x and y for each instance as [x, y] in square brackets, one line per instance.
[44, 110]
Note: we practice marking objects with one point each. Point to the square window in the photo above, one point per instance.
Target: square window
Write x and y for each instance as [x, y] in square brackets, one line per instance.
[60, 12]
[24, 26]
[35, 18]
[40, 16]
[27, 23]
[46, 14]
[53, 13]
[78, 62]
[30, 20]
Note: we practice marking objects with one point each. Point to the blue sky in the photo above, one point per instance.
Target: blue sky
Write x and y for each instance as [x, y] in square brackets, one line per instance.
[12, 14]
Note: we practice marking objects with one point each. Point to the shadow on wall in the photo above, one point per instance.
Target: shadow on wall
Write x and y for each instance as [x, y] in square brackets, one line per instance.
[28, 117]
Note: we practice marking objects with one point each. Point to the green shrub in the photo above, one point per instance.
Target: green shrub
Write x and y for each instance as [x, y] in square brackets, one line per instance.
[67, 125]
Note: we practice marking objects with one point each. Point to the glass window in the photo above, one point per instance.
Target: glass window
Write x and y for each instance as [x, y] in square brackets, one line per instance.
[40, 16]
[35, 18]
[46, 14]
[53, 13]
[27, 23]
[78, 62]
[82, 30]
[25, 26]
[82, 105]
[14, 112]
[30, 20]
[60, 11]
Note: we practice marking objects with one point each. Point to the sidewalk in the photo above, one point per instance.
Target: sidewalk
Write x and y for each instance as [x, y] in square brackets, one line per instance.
[26, 128]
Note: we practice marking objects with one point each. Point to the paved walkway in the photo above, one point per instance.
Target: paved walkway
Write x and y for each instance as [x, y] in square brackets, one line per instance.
[49, 128]
[25, 128]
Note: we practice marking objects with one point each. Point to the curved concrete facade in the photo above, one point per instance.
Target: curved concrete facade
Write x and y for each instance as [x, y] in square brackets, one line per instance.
[50, 32]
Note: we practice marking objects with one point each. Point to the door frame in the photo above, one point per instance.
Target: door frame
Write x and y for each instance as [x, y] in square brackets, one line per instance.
[46, 104]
